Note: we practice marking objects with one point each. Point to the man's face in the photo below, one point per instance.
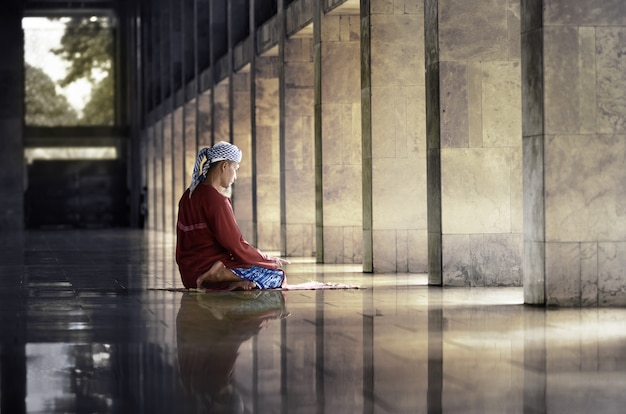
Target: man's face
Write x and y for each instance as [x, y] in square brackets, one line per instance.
[229, 173]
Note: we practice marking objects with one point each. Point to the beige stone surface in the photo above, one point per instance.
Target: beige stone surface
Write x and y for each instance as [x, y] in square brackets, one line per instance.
[205, 135]
[611, 265]
[168, 185]
[396, 49]
[221, 111]
[178, 158]
[399, 186]
[476, 190]
[342, 195]
[584, 13]
[611, 79]
[584, 187]
[563, 275]
[191, 150]
[473, 30]
[501, 117]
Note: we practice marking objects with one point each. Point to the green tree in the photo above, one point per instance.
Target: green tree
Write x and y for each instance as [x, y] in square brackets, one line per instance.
[87, 45]
[44, 107]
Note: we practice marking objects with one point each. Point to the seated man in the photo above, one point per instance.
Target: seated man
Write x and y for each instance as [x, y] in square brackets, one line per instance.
[210, 250]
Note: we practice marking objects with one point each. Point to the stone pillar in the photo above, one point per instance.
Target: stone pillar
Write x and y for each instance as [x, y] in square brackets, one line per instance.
[12, 119]
[178, 168]
[204, 124]
[150, 178]
[221, 108]
[394, 137]
[168, 185]
[242, 195]
[191, 140]
[474, 142]
[299, 173]
[339, 218]
[574, 140]
[158, 176]
[267, 154]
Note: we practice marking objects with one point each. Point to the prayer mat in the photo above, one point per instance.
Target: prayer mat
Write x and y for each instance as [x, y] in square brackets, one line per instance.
[312, 285]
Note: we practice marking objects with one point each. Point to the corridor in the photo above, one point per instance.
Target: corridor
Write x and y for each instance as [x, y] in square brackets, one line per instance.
[93, 323]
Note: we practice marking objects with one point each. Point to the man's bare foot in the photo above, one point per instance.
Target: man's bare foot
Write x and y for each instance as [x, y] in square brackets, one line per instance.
[217, 273]
[242, 285]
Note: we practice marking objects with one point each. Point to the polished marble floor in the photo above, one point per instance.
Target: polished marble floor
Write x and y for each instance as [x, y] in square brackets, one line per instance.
[89, 326]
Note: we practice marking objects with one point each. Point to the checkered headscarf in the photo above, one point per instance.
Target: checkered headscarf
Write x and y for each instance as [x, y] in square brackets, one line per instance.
[219, 152]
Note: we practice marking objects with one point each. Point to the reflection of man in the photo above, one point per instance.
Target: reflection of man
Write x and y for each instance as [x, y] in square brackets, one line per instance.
[210, 329]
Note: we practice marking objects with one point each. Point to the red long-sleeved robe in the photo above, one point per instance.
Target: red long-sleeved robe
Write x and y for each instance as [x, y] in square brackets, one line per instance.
[207, 232]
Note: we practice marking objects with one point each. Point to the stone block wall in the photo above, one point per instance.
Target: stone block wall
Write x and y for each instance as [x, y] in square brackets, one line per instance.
[476, 137]
[574, 152]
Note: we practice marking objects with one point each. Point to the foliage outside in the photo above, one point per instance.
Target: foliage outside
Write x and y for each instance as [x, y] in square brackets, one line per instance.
[87, 45]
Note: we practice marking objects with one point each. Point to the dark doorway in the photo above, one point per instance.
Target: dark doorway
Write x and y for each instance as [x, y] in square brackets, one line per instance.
[76, 194]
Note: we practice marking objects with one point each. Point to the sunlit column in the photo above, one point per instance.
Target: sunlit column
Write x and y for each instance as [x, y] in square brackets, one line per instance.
[474, 143]
[394, 137]
[267, 153]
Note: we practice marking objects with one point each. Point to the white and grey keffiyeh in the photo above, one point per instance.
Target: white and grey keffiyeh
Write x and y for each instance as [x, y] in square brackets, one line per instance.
[219, 152]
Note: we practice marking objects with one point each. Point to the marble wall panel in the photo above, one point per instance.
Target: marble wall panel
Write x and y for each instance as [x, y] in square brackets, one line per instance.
[342, 244]
[589, 274]
[501, 120]
[611, 79]
[476, 195]
[400, 251]
[242, 193]
[482, 259]
[168, 174]
[298, 88]
[191, 149]
[612, 273]
[159, 207]
[300, 240]
[473, 30]
[341, 84]
[562, 90]
[563, 274]
[149, 179]
[267, 156]
[456, 260]
[417, 250]
[400, 185]
[496, 259]
[221, 112]
[396, 48]
[584, 13]
[532, 83]
[342, 195]
[178, 143]
[205, 127]
[585, 187]
[453, 116]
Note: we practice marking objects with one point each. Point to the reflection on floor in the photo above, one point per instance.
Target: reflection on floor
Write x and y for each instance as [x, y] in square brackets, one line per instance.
[85, 332]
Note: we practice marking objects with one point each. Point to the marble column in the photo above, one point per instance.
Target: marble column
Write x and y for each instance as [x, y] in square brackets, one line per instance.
[394, 137]
[12, 119]
[574, 141]
[168, 185]
[267, 154]
[150, 179]
[299, 173]
[474, 142]
[159, 214]
[339, 207]
[242, 137]
[221, 108]
[178, 169]
[191, 140]
[204, 123]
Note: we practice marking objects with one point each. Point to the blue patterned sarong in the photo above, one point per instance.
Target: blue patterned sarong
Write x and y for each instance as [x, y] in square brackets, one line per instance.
[263, 278]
